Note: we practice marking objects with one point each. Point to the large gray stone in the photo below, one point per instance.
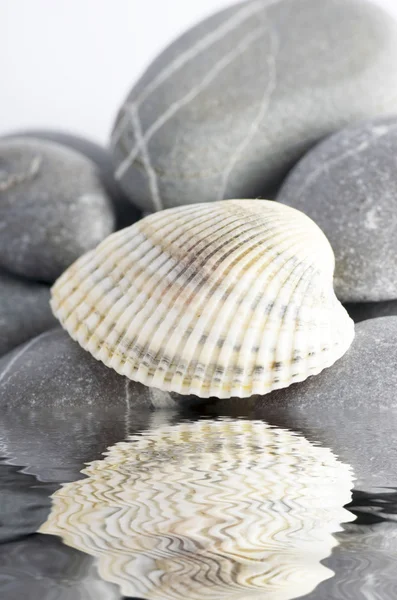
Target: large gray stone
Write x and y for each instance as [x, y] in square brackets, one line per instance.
[350, 408]
[348, 186]
[232, 104]
[126, 212]
[24, 311]
[53, 207]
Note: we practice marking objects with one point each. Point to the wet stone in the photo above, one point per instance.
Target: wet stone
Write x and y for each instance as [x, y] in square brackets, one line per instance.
[80, 407]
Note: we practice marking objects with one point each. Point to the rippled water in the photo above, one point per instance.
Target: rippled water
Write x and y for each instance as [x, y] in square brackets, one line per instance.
[167, 505]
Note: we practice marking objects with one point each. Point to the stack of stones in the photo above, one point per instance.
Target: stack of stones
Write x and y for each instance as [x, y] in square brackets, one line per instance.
[293, 101]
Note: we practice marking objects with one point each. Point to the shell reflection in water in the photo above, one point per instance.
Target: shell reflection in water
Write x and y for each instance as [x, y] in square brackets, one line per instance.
[209, 509]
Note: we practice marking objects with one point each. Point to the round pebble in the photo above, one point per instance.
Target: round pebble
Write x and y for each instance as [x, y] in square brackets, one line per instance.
[230, 106]
[53, 207]
[348, 186]
[24, 310]
[126, 212]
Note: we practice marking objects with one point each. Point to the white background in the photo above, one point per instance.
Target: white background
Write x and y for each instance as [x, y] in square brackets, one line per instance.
[68, 64]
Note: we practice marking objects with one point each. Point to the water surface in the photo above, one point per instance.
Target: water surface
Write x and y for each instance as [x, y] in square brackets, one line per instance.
[223, 502]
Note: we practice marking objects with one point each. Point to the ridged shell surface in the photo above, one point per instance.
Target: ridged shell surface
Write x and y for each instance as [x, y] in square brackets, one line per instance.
[214, 509]
[224, 299]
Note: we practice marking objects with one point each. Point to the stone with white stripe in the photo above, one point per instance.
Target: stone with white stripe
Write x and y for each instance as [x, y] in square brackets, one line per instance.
[53, 370]
[228, 108]
[53, 207]
[348, 186]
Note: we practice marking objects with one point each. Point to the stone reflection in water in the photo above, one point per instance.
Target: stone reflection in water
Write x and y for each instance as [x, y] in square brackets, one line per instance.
[364, 562]
[208, 509]
[42, 568]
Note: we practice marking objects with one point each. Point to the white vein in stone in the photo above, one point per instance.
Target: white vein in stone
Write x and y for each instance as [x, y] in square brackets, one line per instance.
[150, 172]
[204, 43]
[127, 404]
[184, 57]
[16, 178]
[219, 66]
[120, 127]
[127, 393]
[378, 131]
[271, 86]
[19, 354]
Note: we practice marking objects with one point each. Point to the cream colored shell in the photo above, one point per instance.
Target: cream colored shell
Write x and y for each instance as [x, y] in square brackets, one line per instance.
[224, 299]
[228, 509]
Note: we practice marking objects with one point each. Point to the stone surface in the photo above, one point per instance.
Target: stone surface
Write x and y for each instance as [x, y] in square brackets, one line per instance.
[24, 311]
[350, 408]
[361, 311]
[43, 568]
[80, 407]
[232, 104]
[348, 186]
[53, 207]
[126, 212]
[52, 370]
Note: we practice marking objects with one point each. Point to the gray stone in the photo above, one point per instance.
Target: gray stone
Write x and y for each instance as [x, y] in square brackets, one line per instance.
[53, 207]
[348, 186]
[24, 311]
[231, 105]
[79, 407]
[53, 370]
[361, 311]
[41, 567]
[126, 212]
[350, 408]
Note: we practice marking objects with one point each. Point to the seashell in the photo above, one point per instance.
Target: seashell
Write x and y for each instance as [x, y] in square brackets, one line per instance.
[224, 299]
[228, 509]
